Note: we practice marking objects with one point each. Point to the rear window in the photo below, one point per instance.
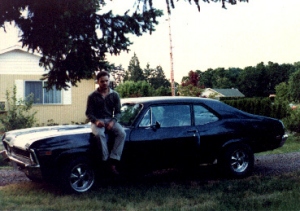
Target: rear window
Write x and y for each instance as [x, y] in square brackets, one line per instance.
[203, 115]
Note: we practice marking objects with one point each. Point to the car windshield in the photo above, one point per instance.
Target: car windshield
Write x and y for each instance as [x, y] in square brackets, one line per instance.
[129, 112]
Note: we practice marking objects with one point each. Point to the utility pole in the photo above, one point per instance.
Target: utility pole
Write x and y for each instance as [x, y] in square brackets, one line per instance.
[171, 58]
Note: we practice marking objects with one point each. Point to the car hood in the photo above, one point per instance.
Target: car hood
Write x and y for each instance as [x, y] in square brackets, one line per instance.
[23, 138]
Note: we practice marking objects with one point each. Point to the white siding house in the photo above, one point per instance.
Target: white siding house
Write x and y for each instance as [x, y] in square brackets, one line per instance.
[20, 68]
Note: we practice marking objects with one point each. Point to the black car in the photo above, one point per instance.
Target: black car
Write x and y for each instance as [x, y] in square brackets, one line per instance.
[160, 132]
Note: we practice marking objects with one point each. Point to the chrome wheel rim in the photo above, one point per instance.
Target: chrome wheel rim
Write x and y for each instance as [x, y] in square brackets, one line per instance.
[239, 161]
[81, 178]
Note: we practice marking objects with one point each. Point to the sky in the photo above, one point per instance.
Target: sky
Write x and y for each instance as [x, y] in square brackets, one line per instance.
[242, 35]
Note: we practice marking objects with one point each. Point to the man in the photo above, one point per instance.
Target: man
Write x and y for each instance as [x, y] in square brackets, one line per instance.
[103, 110]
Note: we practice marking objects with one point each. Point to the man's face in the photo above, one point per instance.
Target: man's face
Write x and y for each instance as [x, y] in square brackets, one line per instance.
[103, 82]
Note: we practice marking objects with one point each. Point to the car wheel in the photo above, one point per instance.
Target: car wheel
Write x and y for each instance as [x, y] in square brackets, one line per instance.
[77, 176]
[237, 161]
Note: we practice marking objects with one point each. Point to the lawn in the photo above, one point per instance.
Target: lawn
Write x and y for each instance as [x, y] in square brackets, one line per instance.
[252, 193]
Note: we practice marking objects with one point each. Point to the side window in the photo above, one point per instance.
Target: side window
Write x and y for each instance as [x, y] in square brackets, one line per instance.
[146, 121]
[176, 116]
[203, 116]
[155, 113]
[168, 116]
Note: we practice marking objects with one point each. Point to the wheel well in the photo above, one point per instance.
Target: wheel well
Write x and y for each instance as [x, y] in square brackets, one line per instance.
[236, 141]
[232, 143]
[66, 158]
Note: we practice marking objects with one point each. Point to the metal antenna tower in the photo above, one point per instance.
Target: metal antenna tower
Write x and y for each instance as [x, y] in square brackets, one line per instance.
[171, 58]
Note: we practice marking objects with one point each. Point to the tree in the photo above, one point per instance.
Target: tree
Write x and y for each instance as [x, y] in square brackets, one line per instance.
[162, 91]
[294, 87]
[156, 77]
[118, 73]
[73, 36]
[253, 81]
[190, 85]
[135, 72]
[206, 78]
[189, 90]
[192, 79]
[134, 89]
[282, 91]
[277, 74]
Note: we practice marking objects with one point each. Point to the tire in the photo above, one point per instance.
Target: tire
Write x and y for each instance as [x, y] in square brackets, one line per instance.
[77, 175]
[237, 161]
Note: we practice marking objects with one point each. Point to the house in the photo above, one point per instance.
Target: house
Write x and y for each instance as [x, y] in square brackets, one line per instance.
[219, 93]
[20, 68]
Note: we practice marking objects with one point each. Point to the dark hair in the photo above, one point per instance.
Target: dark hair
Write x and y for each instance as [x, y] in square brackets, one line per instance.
[102, 73]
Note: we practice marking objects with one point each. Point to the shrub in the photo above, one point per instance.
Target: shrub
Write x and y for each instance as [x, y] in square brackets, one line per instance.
[19, 114]
[260, 106]
[134, 89]
[292, 122]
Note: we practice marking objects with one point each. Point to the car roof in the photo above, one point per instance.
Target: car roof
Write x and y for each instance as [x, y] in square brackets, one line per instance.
[162, 99]
[221, 108]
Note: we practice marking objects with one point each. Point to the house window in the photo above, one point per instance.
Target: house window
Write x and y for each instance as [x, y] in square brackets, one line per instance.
[42, 95]
[2, 106]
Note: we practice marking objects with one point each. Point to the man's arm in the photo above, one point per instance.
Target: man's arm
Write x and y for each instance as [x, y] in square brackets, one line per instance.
[117, 112]
[90, 110]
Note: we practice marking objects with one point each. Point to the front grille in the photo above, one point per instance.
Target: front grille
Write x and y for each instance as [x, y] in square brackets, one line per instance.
[24, 156]
[20, 152]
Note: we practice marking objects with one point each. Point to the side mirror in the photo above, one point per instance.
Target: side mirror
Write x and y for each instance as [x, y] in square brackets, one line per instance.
[156, 126]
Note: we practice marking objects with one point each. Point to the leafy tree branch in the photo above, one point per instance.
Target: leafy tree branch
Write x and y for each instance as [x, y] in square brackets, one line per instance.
[74, 36]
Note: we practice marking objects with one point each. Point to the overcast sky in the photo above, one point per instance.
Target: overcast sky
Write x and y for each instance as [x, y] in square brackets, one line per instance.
[243, 35]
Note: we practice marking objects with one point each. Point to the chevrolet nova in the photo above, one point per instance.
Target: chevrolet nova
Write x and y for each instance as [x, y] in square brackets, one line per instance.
[160, 132]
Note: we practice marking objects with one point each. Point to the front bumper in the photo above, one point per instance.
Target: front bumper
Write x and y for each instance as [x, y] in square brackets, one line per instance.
[32, 171]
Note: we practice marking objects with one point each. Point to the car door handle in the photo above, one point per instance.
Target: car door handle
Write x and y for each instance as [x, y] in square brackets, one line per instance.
[192, 131]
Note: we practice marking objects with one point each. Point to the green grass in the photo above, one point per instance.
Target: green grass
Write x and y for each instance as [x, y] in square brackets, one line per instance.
[253, 193]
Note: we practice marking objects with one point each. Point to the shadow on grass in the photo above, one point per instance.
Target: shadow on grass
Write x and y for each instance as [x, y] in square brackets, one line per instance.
[163, 178]
[159, 178]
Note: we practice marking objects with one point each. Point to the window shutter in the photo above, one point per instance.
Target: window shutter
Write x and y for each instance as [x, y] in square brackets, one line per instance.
[67, 96]
[19, 89]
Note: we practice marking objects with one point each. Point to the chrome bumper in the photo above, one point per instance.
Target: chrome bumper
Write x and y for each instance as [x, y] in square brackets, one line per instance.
[4, 155]
[283, 140]
[32, 171]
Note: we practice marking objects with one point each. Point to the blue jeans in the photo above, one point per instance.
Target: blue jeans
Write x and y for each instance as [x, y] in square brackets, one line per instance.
[118, 146]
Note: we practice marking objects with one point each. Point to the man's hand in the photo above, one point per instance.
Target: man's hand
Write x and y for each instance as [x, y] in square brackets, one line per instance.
[110, 125]
[99, 123]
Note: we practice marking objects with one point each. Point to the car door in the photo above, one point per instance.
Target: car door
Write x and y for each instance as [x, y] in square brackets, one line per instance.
[211, 129]
[165, 134]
